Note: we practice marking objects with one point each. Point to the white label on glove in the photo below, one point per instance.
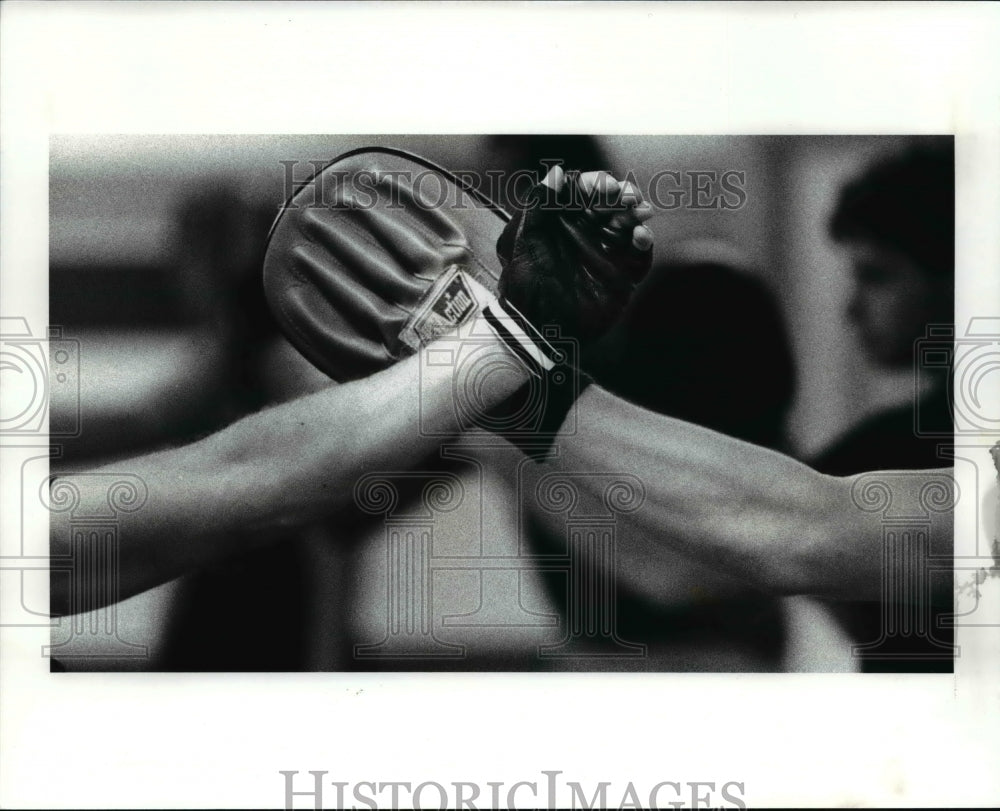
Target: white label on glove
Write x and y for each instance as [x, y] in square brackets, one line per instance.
[447, 305]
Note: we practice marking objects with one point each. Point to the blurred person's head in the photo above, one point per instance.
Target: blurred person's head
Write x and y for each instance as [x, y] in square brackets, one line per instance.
[703, 340]
[897, 223]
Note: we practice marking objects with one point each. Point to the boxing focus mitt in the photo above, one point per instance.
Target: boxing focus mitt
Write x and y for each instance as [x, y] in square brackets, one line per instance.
[376, 255]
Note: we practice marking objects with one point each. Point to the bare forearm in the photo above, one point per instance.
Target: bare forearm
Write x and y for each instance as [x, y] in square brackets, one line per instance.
[270, 472]
[742, 509]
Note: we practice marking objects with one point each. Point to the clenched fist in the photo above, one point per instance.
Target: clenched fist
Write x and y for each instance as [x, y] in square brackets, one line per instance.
[572, 256]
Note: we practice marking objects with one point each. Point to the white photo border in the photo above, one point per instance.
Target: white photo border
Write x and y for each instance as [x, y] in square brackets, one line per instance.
[220, 740]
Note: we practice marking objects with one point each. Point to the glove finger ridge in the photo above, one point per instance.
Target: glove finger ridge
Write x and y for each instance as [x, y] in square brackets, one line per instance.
[366, 313]
[321, 337]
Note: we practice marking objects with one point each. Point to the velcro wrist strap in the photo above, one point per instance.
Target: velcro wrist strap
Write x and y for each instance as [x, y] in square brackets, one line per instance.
[523, 339]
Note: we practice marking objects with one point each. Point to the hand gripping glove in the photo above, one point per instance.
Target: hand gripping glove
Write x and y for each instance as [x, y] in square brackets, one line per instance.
[567, 272]
[564, 265]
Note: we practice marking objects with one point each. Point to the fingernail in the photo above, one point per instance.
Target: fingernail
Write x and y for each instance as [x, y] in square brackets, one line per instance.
[642, 238]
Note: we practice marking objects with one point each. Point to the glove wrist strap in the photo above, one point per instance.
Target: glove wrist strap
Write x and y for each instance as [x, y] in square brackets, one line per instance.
[523, 339]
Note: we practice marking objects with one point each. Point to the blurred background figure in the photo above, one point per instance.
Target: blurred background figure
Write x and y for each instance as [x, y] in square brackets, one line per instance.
[704, 340]
[896, 224]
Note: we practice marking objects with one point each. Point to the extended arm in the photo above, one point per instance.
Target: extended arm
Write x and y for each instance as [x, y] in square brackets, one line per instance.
[742, 509]
[271, 472]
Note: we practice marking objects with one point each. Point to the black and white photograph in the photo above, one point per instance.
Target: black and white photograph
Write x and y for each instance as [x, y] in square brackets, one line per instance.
[440, 405]
[324, 447]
